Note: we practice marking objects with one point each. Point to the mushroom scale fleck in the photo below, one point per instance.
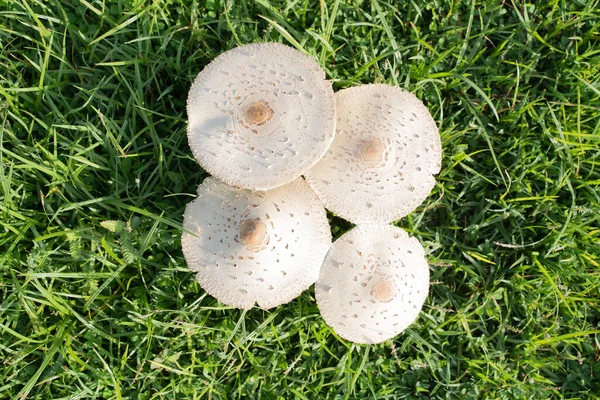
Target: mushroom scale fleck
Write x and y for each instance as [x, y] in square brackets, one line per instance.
[255, 246]
[373, 283]
[381, 163]
[260, 115]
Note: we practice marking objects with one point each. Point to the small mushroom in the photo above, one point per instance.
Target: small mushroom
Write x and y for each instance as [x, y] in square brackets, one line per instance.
[381, 163]
[260, 115]
[373, 283]
[264, 246]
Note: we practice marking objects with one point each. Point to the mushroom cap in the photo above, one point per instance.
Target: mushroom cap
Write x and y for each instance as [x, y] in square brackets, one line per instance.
[265, 247]
[260, 115]
[373, 283]
[381, 163]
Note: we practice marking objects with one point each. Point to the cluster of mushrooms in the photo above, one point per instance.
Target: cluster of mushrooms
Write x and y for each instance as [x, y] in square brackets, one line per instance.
[261, 116]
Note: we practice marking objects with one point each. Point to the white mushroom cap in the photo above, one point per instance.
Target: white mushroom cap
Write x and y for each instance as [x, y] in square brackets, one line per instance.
[381, 163]
[373, 283]
[260, 115]
[264, 247]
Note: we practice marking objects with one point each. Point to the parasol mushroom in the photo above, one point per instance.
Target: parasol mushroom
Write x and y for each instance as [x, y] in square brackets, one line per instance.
[260, 115]
[381, 163]
[263, 246]
[373, 283]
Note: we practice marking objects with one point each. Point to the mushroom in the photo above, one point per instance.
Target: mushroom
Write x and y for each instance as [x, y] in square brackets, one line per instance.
[260, 115]
[255, 246]
[381, 163]
[373, 283]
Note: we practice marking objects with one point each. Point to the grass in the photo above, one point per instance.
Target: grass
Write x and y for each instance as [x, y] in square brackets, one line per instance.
[92, 130]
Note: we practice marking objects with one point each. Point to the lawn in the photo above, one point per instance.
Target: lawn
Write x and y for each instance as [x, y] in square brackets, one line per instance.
[96, 300]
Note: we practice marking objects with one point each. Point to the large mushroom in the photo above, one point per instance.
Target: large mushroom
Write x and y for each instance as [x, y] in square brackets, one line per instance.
[373, 283]
[255, 246]
[260, 115]
[381, 163]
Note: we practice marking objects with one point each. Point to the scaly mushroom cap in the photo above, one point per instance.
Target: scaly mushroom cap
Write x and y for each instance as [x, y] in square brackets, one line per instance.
[264, 247]
[373, 283]
[260, 115]
[381, 163]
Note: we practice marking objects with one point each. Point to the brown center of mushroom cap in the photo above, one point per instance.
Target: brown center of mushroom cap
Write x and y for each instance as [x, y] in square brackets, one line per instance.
[371, 151]
[258, 113]
[383, 291]
[253, 233]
